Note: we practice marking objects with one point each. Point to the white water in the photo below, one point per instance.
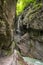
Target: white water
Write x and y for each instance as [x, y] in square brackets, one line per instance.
[18, 25]
[32, 61]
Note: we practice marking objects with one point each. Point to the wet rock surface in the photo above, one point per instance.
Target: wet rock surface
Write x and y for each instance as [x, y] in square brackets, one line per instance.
[31, 27]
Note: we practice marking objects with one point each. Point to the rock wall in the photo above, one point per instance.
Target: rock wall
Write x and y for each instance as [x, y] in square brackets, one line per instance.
[31, 27]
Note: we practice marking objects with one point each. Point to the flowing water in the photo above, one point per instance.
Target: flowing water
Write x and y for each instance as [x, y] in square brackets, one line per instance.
[18, 27]
[32, 61]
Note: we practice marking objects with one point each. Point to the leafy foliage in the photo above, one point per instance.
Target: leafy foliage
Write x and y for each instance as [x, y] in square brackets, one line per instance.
[21, 4]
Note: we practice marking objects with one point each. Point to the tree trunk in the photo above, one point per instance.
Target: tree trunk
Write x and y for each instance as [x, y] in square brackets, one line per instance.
[7, 17]
[7, 14]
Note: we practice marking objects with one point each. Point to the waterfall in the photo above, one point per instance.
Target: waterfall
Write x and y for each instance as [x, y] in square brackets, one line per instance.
[18, 26]
[17, 35]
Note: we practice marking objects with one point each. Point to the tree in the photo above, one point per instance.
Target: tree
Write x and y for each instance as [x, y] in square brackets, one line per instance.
[7, 14]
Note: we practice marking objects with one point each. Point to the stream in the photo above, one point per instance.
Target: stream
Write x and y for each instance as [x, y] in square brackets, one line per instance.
[32, 61]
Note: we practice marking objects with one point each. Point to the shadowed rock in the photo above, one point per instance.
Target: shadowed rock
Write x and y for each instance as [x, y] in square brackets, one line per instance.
[31, 42]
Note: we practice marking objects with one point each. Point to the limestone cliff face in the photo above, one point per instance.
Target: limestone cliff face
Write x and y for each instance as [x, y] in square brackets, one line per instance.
[7, 14]
[31, 42]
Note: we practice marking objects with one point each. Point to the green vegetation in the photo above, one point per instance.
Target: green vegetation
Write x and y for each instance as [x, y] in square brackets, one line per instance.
[21, 4]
